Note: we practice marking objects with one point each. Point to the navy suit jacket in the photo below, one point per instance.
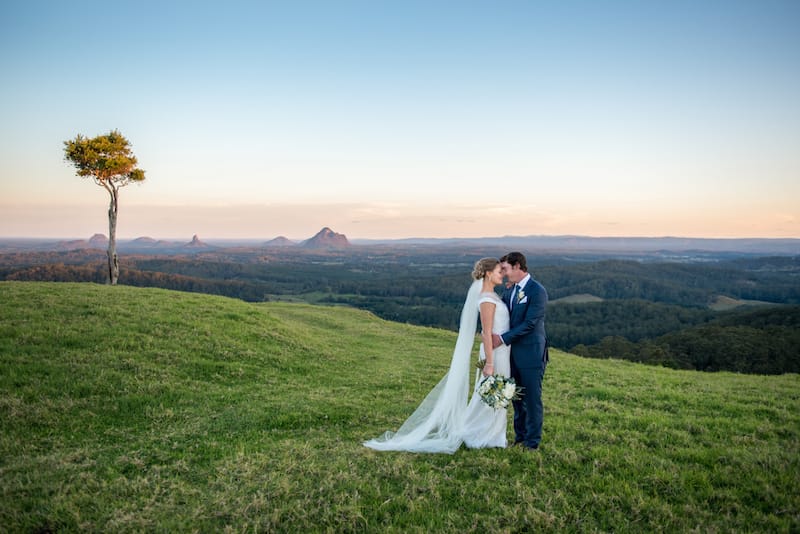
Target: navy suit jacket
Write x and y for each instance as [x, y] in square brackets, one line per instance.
[526, 335]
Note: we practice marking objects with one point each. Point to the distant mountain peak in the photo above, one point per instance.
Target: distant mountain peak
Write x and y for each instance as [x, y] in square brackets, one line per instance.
[98, 240]
[196, 243]
[280, 241]
[144, 239]
[327, 238]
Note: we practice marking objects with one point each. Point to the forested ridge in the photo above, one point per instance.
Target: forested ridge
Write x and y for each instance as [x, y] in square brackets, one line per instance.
[764, 341]
[677, 283]
[654, 312]
[633, 319]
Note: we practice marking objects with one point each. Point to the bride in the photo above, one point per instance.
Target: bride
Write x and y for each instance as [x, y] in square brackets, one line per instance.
[444, 420]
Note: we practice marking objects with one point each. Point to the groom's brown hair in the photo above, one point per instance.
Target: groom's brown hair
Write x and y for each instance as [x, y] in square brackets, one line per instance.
[516, 258]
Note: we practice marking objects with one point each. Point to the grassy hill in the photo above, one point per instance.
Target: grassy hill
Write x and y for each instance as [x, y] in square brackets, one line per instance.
[132, 409]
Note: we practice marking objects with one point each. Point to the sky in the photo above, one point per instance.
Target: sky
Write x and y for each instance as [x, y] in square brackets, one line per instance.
[385, 119]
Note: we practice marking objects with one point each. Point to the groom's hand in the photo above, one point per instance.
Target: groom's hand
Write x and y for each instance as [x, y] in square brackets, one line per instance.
[496, 341]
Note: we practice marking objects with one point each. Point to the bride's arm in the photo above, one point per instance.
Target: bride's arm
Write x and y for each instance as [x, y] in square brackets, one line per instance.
[487, 320]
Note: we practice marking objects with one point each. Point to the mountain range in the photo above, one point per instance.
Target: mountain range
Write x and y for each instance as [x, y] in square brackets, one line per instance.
[328, 239]
[325, 239]
[574, 243]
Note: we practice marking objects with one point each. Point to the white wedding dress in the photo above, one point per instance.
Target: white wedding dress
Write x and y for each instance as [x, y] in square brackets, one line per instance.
[483, 425]
[444, 420]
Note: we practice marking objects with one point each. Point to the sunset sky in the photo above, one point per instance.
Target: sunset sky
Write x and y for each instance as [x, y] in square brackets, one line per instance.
[406, 119]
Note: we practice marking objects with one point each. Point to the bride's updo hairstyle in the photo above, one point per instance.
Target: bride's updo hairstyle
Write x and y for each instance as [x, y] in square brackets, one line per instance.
[483, 266]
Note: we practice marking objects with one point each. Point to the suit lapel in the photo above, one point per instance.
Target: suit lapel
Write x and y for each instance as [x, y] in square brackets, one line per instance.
[517, 308]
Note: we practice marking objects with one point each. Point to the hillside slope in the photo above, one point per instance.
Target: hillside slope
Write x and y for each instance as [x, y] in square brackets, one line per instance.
[129, 409]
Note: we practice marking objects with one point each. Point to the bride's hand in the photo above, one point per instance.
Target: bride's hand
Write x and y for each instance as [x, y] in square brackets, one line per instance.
[488, 369]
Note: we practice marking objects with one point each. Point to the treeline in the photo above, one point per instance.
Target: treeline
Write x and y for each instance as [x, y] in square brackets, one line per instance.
[569, 325]
[432, 299]
[694, 285]
[645, 303]
[58, 272]
[97, 273]
[763, 341]
[769, 279]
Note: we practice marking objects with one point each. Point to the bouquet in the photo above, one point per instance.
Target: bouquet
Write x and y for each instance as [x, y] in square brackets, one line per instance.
[497, 390]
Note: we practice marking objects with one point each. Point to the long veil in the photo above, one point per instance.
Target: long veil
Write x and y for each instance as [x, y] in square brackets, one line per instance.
[435, 426]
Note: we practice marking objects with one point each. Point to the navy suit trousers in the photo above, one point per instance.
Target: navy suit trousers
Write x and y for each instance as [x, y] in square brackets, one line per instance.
[528, 410]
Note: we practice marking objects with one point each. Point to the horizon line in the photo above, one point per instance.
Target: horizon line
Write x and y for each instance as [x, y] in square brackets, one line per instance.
[451, 238]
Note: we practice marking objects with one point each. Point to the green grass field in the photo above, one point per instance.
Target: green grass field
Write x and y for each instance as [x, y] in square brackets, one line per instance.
[129, 409]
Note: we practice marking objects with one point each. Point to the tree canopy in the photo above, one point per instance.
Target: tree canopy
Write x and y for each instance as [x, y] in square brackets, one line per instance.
[108, 159]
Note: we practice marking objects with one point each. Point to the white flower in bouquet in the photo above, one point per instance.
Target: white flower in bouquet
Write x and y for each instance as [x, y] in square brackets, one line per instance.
[498, 390]
[509, 390]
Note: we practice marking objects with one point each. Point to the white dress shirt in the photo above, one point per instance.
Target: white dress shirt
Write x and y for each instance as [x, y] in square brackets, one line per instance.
[520, 285]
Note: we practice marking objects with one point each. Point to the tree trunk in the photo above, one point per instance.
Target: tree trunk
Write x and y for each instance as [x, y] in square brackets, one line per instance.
[113, 260]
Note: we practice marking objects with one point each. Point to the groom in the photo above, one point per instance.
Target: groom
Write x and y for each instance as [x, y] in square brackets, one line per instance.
[526, 300]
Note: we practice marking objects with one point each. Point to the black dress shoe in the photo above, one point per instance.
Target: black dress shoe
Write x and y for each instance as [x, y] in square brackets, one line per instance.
[531, 447]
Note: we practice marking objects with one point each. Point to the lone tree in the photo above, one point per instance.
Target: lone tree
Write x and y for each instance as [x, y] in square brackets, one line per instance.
[109, 161]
